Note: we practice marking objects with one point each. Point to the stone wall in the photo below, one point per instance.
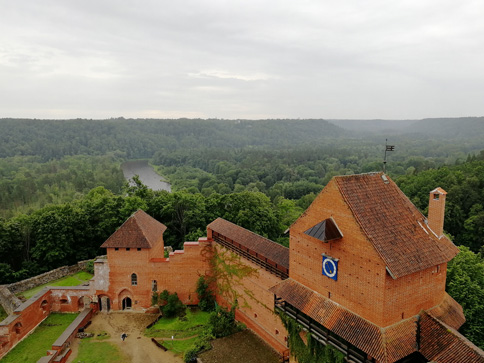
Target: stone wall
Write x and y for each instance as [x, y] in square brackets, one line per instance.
[8, 300]
[46, 277]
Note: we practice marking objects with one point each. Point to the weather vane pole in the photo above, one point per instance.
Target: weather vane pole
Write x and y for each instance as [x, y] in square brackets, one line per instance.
[387, 148]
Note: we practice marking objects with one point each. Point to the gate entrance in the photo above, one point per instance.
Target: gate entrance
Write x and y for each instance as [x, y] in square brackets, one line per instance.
[126, 303]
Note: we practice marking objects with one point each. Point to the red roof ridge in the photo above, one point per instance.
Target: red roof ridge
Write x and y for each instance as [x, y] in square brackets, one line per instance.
[140, 230]
[260, 244]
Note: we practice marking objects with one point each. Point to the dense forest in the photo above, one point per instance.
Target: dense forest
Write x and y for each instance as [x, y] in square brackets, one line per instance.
[62, 192]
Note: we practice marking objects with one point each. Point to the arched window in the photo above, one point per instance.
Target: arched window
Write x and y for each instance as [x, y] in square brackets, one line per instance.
[17, 328]
[134, 280]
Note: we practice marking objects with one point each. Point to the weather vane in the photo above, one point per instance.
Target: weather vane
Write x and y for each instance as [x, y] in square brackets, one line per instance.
[387, 148]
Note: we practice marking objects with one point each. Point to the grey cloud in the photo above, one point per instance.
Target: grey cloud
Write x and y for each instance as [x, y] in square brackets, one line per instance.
[241, 59]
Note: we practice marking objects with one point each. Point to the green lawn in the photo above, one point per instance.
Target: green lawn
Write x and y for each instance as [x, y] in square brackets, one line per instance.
[177, 346]
[72, 280]
[92, 351]
[35, 346]
[3, 314]
[179, 328]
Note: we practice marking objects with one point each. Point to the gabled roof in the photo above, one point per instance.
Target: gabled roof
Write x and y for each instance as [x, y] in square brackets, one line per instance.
[263, 246]
[395, 227]
[438, 341]
[325, 231]
[139, 231]
[386, 345]
[438, 190]
[441, 343]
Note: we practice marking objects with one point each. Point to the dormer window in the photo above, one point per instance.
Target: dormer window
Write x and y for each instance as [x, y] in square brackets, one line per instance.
[325, 231]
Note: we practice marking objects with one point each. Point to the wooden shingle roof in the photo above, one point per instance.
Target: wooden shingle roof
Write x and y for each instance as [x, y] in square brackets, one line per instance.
[395, 227]
[263, 246]
[139, 231]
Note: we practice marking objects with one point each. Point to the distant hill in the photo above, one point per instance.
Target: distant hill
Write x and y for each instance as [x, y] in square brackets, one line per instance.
[449, 128]
[141, 138]
[444, 128]
[374, 126]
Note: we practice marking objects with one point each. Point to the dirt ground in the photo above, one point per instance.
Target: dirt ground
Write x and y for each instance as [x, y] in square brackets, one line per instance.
[137, 347]
[241, 347]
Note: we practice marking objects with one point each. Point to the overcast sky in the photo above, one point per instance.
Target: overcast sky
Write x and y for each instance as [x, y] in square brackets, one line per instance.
[241, 59]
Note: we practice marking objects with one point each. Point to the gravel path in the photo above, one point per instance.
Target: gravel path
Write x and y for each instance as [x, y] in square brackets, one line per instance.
[137, 347]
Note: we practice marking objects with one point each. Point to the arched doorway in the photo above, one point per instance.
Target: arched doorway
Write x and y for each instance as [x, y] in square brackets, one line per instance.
[125, 300]
[127, 303]
[104, 303]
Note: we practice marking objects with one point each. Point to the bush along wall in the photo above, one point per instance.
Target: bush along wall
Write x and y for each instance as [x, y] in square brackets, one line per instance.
[312, 351]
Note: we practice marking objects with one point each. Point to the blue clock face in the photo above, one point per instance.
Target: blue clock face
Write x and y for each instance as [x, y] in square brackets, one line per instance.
[330, 268]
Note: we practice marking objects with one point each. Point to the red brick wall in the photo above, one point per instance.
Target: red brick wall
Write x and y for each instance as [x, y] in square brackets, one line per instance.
[361, 271]
[26, 320]
[256, 305]
[178, 273]
[363, 285]
[410, 294]
[34, 311]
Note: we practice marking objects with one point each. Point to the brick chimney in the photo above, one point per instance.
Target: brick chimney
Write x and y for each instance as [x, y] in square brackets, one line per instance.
[437, 211]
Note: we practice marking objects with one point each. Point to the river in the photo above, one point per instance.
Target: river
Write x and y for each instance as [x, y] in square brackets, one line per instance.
[146, 173]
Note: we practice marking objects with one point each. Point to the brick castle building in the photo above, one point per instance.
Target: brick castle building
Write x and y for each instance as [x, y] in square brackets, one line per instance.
[365, 273]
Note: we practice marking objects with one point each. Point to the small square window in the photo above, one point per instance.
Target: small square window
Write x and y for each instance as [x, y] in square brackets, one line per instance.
[138, 249]
[116, 248]
[127, 249]
[436, 196]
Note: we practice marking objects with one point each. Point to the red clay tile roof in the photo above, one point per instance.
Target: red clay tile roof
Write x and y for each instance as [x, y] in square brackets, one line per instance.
[139, 231]
[395, 227]
[386, 345]
[441, 343]
[449, 312]
[263, 246]
[438, 190]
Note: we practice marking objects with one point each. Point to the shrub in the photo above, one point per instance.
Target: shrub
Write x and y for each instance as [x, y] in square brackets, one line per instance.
[206, 297]
[190, 355]
[163, 297]
[174, 307]
[90, 267]
[222, 322]
[201, 344]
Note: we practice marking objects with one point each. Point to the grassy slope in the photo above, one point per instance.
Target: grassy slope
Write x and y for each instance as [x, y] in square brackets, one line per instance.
[73, 280]
[36, 345]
